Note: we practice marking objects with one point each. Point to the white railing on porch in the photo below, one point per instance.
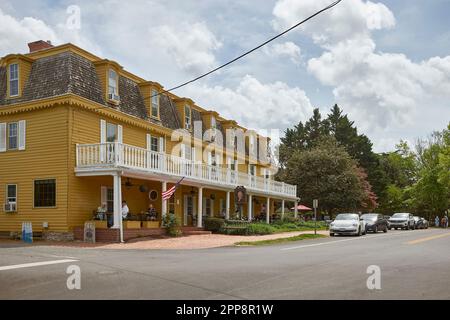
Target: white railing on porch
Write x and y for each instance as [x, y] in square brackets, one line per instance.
[123, 155]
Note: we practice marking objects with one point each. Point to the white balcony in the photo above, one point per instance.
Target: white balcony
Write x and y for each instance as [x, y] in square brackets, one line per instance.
[101, 157]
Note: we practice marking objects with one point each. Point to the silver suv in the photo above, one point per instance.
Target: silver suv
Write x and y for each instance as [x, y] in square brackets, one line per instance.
[402, 221]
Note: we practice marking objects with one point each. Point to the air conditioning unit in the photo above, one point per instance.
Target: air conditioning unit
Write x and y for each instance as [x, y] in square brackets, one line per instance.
[114, 97]
[10, 207]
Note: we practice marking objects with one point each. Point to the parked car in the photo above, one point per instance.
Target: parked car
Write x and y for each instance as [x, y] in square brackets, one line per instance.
[375, 222]
[348, 223]
[387, 220]
[421, 223]
[402, 221]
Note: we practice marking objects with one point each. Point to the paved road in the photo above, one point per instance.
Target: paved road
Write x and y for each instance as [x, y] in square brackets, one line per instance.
[414, 265]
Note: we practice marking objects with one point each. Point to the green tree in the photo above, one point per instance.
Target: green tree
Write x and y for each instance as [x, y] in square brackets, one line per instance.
[327, 172]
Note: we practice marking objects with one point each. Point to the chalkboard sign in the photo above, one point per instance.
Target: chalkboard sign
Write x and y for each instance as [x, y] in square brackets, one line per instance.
[27, 232]
[89, 231]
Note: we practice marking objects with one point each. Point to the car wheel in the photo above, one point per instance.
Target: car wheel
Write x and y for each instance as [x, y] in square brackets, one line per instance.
[331, 234]
[359, 232]
[407, 227]
[375, 230]
[385, 229]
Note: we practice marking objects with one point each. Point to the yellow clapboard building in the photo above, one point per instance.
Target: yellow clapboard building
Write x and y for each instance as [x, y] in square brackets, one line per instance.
[78, 132]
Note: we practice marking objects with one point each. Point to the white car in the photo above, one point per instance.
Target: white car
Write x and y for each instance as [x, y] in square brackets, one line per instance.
[348, 223]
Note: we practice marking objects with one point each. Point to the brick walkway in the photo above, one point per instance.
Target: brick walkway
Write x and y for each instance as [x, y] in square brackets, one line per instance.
[200, 241]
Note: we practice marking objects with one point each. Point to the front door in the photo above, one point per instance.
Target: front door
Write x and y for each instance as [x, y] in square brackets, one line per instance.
[189, 209]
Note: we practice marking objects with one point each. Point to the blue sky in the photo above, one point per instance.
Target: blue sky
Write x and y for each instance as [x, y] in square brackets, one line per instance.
[386, 63]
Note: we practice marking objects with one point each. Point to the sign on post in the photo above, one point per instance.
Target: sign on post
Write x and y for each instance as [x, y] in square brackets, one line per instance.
[315, 206]
[315, 203]
[89, 231]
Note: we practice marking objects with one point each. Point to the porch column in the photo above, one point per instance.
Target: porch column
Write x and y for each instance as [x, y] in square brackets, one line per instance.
[250, 207]
[282, 209]
[164, 202]
[118, 223]
[200, 207]
[227, 209]
[296, 209]
[268, 210]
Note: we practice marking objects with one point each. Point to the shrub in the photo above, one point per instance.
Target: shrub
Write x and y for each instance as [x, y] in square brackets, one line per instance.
[172, 225]
[214, 224]
[260, 229]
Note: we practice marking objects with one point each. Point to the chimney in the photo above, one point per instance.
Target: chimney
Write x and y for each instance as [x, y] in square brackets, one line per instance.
[39, 45]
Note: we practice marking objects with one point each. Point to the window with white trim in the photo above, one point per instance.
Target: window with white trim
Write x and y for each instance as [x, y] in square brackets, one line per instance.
[13, 80]
[12, 135]
[187, 118]
[113, 82]
[155, 104]
[154, 144]
[111, 132]
[110, 199]
[11, 193]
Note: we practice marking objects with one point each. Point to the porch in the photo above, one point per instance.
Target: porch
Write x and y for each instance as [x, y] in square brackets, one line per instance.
[132, 174]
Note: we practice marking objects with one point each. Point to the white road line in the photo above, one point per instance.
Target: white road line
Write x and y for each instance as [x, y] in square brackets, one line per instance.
[36, 264]
[336, 241]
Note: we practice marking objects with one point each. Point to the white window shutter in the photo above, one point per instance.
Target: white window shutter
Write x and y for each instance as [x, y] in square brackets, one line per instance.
[2, 137]
[102, 131]
[193, 155]
[229, 162]
[119, 134]
[22, 134]
[209, 158]
[104, 195]
[149, 141]
[162, 145]
[183, 151]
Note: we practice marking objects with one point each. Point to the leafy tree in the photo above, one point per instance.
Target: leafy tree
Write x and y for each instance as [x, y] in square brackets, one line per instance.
[327, 172]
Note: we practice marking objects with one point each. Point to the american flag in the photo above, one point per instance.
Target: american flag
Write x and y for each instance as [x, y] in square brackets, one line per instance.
[166, 195]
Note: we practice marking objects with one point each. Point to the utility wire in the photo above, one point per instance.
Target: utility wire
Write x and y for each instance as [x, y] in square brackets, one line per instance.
[248, 52]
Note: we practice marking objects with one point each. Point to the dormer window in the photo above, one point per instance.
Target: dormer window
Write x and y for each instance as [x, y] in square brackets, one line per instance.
[113, 85]
[13, 80]
[155, 104]
[187, 118]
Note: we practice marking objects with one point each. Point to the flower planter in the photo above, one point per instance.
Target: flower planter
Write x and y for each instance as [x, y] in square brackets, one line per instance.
[151, 224]
[101, 224]
[131, 224]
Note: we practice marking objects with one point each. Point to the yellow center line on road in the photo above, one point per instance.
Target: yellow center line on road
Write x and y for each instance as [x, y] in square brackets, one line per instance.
[428, 238]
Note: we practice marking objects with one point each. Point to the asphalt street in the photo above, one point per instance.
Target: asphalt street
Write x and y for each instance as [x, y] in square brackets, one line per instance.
[413, 265]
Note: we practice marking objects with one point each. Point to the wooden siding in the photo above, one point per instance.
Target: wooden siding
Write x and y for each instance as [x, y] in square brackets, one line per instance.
[45, 157]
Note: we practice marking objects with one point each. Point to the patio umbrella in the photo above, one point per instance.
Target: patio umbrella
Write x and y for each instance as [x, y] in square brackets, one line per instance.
[301, 207]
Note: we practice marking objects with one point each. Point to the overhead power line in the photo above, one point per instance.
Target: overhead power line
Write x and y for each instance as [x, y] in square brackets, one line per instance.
[250, 51]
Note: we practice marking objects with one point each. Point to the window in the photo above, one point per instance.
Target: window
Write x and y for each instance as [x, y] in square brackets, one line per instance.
[154, 144]
[111, 132]
[155, 104]
[252, 169]
[44, 193]
[171, 206]
[12, 136]
[110, 199]
[13, 80]
[112, 82]
[187, 117]
[11, 193]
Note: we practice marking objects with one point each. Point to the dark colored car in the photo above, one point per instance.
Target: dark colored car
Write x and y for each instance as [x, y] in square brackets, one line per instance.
[375, 222]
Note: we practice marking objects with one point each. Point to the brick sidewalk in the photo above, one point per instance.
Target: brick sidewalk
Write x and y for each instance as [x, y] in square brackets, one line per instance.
[200, 241]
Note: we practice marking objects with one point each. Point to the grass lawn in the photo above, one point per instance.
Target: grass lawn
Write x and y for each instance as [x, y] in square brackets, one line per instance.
[281, 240]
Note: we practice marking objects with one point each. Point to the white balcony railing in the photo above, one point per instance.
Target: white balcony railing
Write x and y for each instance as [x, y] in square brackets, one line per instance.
[126, 156]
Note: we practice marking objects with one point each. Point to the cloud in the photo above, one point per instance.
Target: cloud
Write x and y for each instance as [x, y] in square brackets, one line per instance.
[285, 50]
[350, 18]
[16, 34]
[191, 46]
[254, 104]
